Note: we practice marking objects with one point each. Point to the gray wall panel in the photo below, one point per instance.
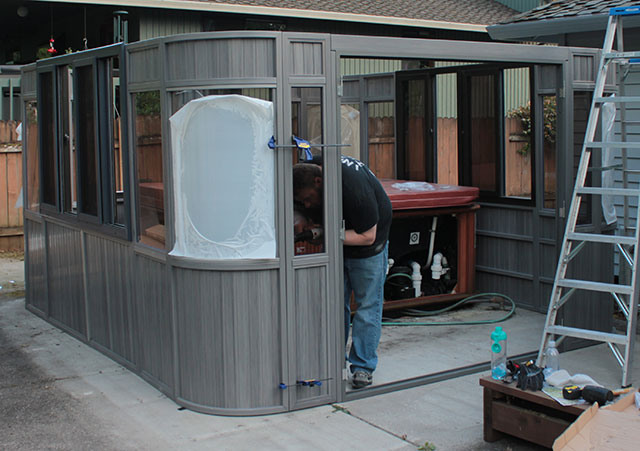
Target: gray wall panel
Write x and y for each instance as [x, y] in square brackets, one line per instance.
[28, 82]
[504, 220]
[36, 283]
[584, 68]
[144, 65]
[306, 58]
[229, 332]
[221, 58]
[505, 254]
[109, 278]
[548, 261]
[98, 297]
[152, 312]
[118, 269]
[310, 355]
[66, 286]
[519, 290]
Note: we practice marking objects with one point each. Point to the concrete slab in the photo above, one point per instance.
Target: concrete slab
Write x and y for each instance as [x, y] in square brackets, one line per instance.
[57, 393]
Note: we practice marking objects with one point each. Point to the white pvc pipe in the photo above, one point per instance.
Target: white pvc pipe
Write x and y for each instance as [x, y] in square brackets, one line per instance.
[436, 267]
[432, 240]
[416, 277]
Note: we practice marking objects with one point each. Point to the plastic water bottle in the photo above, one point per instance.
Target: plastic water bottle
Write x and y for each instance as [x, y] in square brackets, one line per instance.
[498, 354]
[551, 359]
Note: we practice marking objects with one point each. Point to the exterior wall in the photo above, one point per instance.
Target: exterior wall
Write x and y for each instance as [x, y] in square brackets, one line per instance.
[156, 23]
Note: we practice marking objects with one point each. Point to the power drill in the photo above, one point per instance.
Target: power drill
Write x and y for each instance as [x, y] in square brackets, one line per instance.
[589, 393]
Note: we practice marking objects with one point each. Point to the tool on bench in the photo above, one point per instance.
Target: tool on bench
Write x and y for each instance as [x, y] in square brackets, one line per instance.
[592, 393]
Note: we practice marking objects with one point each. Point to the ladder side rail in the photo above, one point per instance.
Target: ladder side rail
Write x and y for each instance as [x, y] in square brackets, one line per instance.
[633, 314]
[574, 208]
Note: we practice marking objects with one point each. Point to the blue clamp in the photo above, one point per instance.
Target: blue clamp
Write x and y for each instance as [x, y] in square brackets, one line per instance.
[272, 143]
[303, 144]
[305, 383]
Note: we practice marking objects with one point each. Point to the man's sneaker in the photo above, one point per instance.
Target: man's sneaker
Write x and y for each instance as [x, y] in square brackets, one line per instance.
[361, 379]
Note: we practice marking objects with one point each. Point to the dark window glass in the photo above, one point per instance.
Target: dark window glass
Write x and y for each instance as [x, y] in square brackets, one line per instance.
[149, 178]
[33, 162]
[67, 132]
[117, 172]
[47, 119]
[87, 142]
[306, 123]
[483, 140]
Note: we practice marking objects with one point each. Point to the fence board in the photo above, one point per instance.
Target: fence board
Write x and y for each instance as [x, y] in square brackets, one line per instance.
[4, 191]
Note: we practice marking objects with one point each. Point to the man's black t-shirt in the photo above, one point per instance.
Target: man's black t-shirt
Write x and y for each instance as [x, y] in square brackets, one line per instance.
[364, 204]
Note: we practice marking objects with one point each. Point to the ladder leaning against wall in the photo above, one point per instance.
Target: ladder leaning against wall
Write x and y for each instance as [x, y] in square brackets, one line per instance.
[626, 239]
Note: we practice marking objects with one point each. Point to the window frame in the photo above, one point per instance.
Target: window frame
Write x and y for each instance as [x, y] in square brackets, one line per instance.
[103, 221]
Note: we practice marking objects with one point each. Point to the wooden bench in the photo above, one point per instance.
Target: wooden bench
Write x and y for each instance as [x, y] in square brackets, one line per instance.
[531, 416]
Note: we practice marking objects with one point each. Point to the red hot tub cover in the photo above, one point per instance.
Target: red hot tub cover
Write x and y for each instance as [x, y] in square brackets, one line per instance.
[410, 195]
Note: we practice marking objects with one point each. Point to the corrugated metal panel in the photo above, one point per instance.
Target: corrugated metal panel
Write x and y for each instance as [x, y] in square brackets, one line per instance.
[144, 65]
[153, 320]
[36, 283]
[97, 285]
[28, 82]
[517, 90]
[109, 276]
[363, 66]
[229, 342]
[221, 58]
[310, 354]
[306, 58]
[154, 23]
[66, 286]
[584, 69]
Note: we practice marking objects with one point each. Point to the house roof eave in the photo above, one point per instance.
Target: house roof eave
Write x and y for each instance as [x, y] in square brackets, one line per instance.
[195, 5]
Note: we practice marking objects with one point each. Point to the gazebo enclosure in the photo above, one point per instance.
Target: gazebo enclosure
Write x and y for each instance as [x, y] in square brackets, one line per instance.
[122, 165]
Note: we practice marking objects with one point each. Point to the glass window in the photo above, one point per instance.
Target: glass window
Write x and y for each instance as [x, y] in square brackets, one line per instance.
[68, 139]
[33, 160]
[48, 148]
[483, 129]
[447, 128]
[549, 148]
[87, 158]
[381, 138]
[116, 172]
[518, 128]
[149, 175]
[350, 130]
[415, 132]
[308, 185]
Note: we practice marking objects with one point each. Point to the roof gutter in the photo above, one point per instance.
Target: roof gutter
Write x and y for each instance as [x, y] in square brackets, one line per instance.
[534, 30]
[196, 5]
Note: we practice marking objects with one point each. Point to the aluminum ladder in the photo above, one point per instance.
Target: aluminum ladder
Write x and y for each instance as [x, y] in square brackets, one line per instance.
[625, 294]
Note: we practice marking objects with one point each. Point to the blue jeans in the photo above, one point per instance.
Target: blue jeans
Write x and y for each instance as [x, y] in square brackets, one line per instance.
[365, 277]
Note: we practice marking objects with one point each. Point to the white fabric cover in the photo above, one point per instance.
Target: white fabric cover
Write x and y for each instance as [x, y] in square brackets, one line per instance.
[224, 178]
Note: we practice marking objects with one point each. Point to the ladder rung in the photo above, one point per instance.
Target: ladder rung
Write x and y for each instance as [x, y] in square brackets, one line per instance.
[631, 171]
[621, 55]
[621, 99]
[608, 191]
[616, 144]
[595, 286]
[587, 334]
[596, 238]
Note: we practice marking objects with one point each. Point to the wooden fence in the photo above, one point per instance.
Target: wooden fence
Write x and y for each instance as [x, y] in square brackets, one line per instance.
[11, 233]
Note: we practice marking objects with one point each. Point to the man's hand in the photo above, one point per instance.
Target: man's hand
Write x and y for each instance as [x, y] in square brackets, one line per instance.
[366, 238]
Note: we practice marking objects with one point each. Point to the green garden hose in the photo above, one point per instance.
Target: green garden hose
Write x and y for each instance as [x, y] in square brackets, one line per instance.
[474, 298]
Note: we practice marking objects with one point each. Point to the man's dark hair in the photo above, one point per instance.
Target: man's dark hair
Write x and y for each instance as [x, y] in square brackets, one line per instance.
[304, 175]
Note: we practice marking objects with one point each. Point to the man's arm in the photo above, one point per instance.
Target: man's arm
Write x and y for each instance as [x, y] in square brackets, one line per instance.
[366, 238]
